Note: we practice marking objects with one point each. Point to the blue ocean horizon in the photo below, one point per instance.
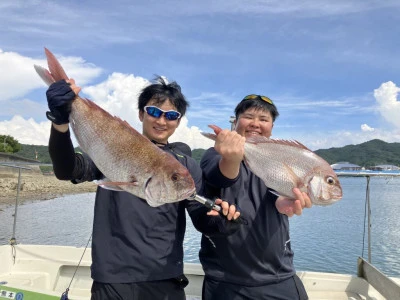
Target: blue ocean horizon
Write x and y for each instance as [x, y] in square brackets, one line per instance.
[324, 239]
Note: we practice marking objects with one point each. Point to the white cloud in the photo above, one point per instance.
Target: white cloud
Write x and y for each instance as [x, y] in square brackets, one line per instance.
[388, 105]
[321, 140]
[365, 127]
[118, 95]
[26, 131]
[18, 77]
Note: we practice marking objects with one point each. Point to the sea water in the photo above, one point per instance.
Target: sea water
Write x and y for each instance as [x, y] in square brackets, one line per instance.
[324, 239]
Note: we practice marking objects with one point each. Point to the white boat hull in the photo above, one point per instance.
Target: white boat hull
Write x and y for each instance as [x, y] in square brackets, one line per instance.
[49, 270]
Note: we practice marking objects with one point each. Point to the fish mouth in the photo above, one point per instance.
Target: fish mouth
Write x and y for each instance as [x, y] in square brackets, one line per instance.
[326, 202]
[189, 194]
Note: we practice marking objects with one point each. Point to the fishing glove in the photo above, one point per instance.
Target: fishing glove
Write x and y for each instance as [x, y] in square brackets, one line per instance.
[59, 99]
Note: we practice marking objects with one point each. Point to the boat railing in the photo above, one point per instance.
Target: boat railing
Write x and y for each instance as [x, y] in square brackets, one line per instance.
[13, 240]
[382, 283]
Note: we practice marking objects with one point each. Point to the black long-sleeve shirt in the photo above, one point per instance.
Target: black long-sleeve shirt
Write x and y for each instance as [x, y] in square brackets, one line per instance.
[258, 253]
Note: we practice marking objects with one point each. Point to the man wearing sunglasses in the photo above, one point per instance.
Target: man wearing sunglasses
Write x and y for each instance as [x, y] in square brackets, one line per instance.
[256, 262]
[137, 250]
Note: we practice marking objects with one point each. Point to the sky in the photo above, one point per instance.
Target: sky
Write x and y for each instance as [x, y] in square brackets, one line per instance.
[331, 67]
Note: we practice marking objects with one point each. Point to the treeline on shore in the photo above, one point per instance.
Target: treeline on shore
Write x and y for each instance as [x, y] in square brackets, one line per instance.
[368, 154]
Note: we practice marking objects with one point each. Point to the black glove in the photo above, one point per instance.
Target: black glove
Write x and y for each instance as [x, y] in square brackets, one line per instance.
[59, 99]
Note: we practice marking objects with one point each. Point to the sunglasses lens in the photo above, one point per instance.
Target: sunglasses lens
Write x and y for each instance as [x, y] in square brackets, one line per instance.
[172, 115]
[157, 113]
[153, 111]
[250, 97]
[254, 96]
[266, 99]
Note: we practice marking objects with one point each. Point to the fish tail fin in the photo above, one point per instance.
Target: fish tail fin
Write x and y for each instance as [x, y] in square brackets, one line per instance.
[55, 67]
[216, 129]
[44, 74]
[56, 72]
[210, 136]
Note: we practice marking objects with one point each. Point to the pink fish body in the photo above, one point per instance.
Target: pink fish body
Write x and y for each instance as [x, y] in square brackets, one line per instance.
[284, 165]
[129, 160]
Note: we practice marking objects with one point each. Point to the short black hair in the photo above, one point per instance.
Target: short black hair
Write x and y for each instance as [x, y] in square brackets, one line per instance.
[160, 91]
[258, 104]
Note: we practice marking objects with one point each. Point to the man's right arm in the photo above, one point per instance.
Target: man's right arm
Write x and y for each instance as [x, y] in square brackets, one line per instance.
[67, 164]
[62, 153]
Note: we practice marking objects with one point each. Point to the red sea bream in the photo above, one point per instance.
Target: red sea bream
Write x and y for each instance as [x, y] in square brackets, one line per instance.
[129, 160]
[284, 165]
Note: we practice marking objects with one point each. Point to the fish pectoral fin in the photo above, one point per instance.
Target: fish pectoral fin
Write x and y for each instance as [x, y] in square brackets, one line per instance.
[274, 192]
[295, 179]
[114, 185]
[111, 188]
[117, 183]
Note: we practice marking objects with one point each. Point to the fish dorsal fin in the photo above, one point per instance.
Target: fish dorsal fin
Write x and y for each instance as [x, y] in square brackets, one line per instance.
[55, 67]
[262, 139]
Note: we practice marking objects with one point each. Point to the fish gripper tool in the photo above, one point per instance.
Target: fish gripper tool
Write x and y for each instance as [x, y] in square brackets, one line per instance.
[210, 204]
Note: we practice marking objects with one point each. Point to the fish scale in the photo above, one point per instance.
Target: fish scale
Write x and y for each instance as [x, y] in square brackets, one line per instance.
[280, 158]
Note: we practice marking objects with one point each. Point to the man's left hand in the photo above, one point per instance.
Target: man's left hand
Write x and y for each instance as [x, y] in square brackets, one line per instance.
[229, 211]
[292, 207]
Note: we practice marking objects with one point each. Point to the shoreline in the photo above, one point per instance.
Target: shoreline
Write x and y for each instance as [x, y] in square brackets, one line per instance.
[37, 187]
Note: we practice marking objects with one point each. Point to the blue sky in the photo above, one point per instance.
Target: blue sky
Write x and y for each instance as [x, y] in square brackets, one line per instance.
[331, 67]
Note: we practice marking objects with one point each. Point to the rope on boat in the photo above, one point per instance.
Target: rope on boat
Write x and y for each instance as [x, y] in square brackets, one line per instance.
[64, 295]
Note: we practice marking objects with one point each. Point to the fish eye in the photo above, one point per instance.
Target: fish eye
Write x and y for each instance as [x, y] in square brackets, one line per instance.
[175, 177]
[330, 180]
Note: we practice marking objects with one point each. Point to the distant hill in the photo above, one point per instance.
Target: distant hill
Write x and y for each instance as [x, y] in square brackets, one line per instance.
[30, 151]
[197, 154]
[33, 151]
[368, 154]
[371, 153]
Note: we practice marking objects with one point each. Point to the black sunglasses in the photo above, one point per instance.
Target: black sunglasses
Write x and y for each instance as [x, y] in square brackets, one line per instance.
[254, 96]
[156, 112]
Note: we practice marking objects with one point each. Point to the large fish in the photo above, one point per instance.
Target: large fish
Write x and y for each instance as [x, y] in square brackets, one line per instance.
[284, 165]
[129, 160]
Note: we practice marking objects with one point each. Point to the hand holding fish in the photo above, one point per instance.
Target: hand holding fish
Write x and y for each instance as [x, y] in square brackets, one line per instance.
[60, 96]
[230, 145]
[292, 207]
[73, 86]
[227, 210]
[71, 90]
